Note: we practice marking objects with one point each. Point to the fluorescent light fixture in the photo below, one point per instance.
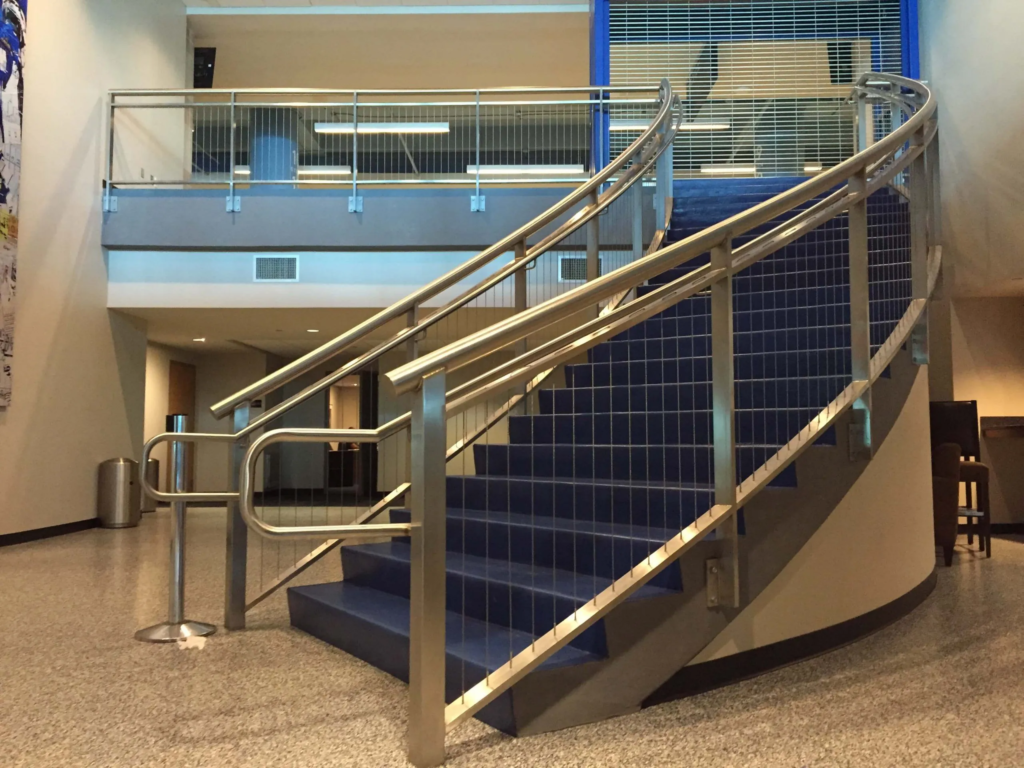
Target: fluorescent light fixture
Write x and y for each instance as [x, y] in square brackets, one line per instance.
[813, 168]
[532, 170]
[349, 128]
[729, 170]
[640, 125]
[241, 170]
[312, 330]
[201, 341]
[324, 170]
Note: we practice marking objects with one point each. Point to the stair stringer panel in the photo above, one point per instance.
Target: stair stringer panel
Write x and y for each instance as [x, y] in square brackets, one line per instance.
[651, 640]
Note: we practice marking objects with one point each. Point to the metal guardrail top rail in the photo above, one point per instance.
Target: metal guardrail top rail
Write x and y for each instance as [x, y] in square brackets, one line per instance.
[648, 146]
[408, 377]
[151, 92]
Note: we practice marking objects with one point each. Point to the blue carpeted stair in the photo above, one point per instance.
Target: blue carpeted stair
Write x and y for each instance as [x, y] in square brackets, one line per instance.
[620, 460]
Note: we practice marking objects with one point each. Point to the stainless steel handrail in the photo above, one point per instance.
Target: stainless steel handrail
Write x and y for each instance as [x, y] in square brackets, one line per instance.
[353, 531]
[142, 92]
[459, 353]
[655, 134]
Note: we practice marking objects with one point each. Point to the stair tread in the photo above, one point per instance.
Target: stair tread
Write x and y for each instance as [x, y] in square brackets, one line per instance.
[471, 640]
[536, 578]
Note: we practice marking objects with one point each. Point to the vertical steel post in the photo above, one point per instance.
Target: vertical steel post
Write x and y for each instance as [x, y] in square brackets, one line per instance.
[594, 244]
[237, 534]
[638, 220]
[427, 585]
[920, 206]
[355, 203]
[860, 442]
[412, 351]
[231, 207]
[663, 198]
[177, 627]
[108, 192]
[477, 203]
[934, 193]
[865, 124]
[725, 571]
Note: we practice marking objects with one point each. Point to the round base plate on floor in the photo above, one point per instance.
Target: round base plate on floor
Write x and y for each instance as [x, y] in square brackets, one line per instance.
[172, 633]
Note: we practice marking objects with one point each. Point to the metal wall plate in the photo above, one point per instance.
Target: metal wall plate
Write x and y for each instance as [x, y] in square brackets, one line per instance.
[477, 203]
[355, 204]
[233, 204]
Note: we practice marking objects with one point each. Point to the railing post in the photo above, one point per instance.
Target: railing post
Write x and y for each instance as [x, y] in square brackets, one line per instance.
[477, 203]
[860, 442]
[233, 204]
[663, 195]
[934, 193]
[594, 244]
[723, 573]
[355, 203]
[237, 534]
[177, 627]
[865, 123]
[427, 565]
[109, 201]
[412, 351]
[920, 206]
[638, 219]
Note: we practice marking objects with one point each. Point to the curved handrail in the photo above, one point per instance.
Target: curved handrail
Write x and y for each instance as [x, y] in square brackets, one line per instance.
[649, 144]
[481, 343]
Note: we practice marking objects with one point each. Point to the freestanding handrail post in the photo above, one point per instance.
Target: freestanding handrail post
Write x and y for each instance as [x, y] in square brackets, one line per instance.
[237, 533]
[427, 575]
[177, 627]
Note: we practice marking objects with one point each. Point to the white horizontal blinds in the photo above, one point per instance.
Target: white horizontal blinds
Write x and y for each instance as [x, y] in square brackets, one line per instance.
[764, 81]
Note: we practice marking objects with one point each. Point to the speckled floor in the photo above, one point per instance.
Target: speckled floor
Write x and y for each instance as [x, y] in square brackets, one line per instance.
[942, 687]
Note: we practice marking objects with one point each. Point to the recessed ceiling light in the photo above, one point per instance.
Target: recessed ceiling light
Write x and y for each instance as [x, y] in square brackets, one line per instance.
[312, 330]
[200, 340]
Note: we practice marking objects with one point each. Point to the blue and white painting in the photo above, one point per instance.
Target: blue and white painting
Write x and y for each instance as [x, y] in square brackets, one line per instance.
[12, 101]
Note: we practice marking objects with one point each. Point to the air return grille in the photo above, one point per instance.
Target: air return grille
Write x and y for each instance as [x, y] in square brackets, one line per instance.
[573, 268]
[763, 82]
[276, 269]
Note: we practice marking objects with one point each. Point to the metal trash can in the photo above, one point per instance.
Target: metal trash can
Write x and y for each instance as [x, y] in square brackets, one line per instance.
[119, 498]
[153, 477]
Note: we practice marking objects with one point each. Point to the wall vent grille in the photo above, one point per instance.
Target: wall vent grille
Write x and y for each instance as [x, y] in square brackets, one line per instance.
[573, 268]
[276, 269]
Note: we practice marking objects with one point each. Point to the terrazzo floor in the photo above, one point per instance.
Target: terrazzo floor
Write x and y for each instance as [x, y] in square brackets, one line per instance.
[942, 687]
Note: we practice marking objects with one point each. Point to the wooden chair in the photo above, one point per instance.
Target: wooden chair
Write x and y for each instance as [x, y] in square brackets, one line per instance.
[946, 496]
[957, 422]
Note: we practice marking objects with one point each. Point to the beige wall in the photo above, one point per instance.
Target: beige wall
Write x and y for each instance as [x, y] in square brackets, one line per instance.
[398, 51]
[988, 366]
[79, 373]
[874, 548]
[973, 58]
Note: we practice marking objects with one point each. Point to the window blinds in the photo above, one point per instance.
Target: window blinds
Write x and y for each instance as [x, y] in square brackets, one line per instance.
[764, 82]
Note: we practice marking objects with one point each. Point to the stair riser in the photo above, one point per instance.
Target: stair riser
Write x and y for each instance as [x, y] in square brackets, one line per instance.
[699, 324]
[744, 342]
[673, 428]
[389, 651]
[759, 395]
[666, 507]
[573, 551]
[516, 607]
[763, 365]
[642, 463]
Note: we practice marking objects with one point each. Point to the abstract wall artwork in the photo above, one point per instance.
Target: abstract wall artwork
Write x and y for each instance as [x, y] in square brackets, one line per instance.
[12, 101]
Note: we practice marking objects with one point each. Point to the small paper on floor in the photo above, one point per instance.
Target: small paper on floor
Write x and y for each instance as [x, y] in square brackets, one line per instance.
[192, 642]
